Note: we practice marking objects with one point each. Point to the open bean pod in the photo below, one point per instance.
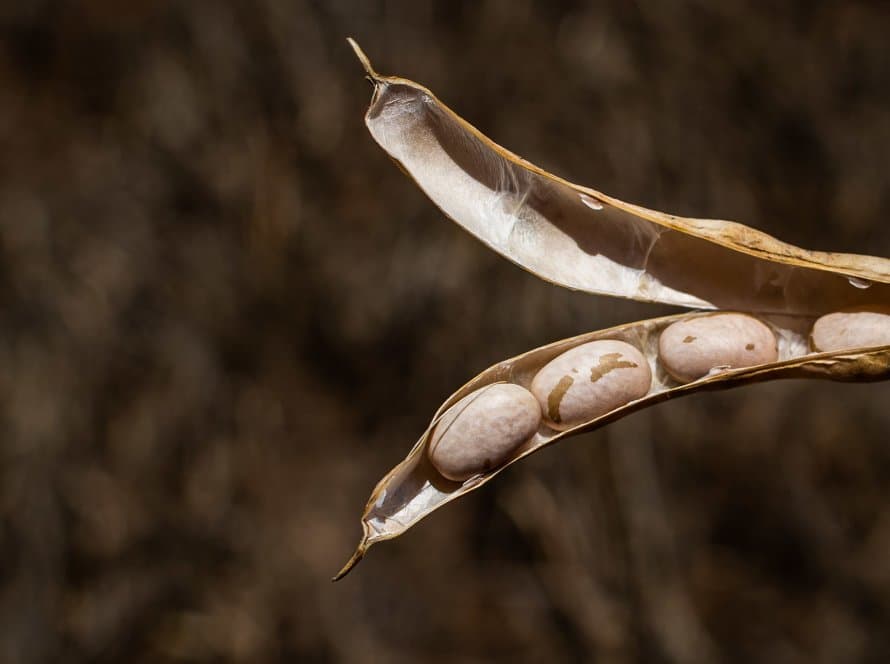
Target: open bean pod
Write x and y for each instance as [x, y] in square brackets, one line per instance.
[415, 488]
[582, 239]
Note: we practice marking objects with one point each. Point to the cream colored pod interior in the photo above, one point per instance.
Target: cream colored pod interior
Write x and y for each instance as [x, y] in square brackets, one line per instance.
[766, 309]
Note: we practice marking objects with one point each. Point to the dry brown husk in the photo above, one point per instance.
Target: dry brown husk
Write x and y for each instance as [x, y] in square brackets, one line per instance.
[582, 239]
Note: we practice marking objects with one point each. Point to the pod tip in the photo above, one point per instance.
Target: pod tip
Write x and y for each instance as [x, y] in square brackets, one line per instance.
[359, 553]
[360, 54]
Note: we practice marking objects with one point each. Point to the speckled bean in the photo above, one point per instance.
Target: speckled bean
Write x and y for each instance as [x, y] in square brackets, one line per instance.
[690, 349]
[590, 380]
[852, 328]
[482, 430]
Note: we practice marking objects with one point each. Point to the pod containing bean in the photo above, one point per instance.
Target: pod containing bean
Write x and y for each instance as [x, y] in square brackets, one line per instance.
[691, 349]
[569, 386]
[591, 242]
[860, 327]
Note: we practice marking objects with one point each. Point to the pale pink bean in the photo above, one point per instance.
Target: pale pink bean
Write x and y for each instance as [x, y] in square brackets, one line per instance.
[852, 328]
[482, 430]
[590, 380]
[690, 349]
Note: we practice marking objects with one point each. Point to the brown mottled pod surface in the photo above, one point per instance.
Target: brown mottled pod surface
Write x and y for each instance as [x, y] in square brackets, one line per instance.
[482, 430]
[589, 381]
[858, 327]
[690, 349]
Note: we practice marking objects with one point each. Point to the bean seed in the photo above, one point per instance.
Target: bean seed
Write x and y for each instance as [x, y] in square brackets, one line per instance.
[590, 380]
[482, 430]
[690, 349]
[852, 328]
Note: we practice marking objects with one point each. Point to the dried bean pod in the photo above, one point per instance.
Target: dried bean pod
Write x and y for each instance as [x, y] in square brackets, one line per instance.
[586, 240]
[410, 491]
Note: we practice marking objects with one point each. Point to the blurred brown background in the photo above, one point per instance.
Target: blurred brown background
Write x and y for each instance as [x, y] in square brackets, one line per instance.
[225, 315]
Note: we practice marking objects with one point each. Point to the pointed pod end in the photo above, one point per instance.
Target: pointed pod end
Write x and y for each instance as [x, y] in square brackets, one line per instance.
[360, 552]
[366, 63]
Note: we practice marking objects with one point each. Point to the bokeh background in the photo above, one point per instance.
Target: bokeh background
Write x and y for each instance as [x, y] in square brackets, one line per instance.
[225, 315]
